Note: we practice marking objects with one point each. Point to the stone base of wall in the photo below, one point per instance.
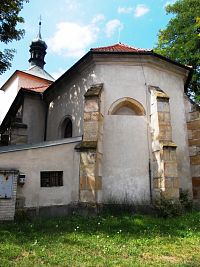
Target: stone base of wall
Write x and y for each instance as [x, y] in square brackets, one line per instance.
[83, 209]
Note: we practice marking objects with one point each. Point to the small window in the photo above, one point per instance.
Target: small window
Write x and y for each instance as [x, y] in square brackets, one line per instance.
[68, 129]
[51, 178]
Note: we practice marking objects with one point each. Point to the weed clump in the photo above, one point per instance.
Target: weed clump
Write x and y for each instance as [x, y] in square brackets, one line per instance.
[171, 208]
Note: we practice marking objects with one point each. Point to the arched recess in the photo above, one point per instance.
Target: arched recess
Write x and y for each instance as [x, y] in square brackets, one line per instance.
[126, 106]
[66, 128]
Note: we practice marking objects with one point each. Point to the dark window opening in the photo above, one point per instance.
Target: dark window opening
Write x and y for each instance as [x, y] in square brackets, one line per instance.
[51, 178]
[67, 128]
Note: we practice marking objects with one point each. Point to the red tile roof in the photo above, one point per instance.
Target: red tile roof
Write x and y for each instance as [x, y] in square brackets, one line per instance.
[119, 48]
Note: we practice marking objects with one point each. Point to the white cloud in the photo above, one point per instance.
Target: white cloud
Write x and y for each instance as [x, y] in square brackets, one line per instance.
[98, 18]
[140, 10]
[169, 3]
[72, 39]
[112, 26]
[124, 10]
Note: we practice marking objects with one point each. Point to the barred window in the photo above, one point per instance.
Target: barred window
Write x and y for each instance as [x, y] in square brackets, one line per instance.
[51, 178]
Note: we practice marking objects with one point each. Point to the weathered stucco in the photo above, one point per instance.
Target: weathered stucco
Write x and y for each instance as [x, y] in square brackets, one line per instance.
[123, 141]
[34, 112]
[68, 100]
[31, 161]
[126, 138]
[131, 79]
[172, 84]
[125, 159]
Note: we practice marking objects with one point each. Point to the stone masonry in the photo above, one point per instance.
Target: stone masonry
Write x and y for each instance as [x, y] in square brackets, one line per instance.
[193, 125]
[7, 206]
[91, 147]
[164, 166]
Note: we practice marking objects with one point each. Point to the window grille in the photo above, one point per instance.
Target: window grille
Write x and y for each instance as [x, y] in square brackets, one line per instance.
[51, 178]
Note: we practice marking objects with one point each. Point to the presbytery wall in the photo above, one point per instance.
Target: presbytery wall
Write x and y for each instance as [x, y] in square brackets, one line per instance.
[127, 139]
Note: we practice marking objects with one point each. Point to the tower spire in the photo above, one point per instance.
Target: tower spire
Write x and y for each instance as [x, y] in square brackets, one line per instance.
[40, 25]
[38, 49]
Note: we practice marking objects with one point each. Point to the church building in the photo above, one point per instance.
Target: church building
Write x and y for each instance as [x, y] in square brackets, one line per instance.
[117, 127]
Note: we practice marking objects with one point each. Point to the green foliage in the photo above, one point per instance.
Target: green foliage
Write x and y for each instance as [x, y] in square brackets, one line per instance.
[186, 201]
[107, 240]
[171, 208]
[180, 41]
[9, 19]
[168, 208]
[21, 215]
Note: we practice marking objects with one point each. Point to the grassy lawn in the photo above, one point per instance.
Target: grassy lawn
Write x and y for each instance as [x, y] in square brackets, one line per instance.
[126, 240]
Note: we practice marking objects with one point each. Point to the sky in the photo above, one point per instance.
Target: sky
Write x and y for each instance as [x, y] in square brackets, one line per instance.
[71, 27]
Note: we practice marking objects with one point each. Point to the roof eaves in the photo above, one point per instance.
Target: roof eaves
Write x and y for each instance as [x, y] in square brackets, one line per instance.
[93, 52]
[151, 52]
[189, 69]
[29, 91]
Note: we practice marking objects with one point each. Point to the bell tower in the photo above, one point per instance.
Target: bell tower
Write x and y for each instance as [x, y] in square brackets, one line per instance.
[38, 50]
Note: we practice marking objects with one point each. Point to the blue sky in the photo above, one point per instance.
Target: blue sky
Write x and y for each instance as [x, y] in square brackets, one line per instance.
[71, 27]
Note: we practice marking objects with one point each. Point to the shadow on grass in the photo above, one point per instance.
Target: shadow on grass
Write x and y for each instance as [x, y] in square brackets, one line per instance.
[129, 226]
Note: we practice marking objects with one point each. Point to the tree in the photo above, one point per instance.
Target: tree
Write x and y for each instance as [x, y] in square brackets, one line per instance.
[180, 41]
[9, 19]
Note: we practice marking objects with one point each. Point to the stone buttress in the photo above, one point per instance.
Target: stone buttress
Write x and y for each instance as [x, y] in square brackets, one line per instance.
[91, 147]
[193, 125]
[164, 167]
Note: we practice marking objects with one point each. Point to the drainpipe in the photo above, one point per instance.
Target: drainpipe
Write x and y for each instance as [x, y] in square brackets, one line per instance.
[46, 117]
[150, 180]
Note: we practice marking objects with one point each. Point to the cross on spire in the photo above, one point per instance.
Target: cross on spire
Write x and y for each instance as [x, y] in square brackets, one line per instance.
[40, 23]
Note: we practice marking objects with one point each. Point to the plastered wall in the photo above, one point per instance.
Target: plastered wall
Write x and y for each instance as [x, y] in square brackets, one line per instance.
[34, 112]
[52, 158]
[68, 100]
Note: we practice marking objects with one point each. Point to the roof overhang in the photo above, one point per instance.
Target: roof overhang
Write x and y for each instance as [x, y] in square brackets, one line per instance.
[17, 73]
[90, 54]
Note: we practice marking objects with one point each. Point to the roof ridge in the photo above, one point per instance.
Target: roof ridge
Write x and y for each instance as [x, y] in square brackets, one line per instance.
[119, 47]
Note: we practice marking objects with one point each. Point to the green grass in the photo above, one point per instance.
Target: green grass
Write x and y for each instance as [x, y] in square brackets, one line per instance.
[106, 240]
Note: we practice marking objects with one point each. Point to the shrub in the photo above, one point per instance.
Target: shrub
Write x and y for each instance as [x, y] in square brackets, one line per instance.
[171, 208]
